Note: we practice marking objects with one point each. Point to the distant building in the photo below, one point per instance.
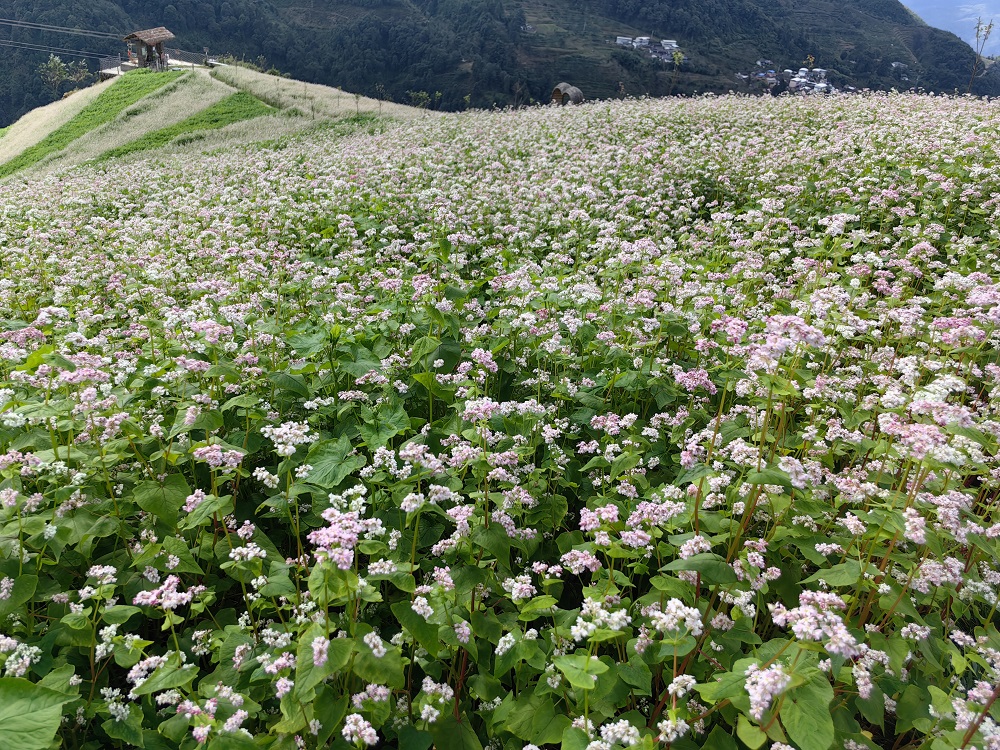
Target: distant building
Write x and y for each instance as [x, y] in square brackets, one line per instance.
[150, 52]
[808, 81]
[663, 51]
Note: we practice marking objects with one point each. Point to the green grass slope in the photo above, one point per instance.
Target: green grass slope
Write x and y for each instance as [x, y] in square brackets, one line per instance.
[41, 122]
[127, 91]
[207, 110]
[165, 107]
[234, 108]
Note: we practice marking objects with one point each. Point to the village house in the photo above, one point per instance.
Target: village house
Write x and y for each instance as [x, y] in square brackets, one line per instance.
[664, 51]
[808, 81]
[150, 52]
[645, 42]
[146, 50]
[764, 76]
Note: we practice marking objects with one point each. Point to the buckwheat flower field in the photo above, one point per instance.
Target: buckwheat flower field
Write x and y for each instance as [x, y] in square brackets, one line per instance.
[639, 424]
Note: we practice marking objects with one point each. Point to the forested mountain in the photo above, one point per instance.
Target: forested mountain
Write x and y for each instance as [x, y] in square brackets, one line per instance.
[499, 52]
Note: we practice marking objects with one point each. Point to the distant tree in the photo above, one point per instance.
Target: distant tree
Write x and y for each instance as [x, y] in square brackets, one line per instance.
[79, 73]
[54, 74]
[983, 31]
[678, 60]
[420, 99]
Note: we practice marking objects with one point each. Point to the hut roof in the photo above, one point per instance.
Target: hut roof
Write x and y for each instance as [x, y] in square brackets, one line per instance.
[563, 93]
[151, 36]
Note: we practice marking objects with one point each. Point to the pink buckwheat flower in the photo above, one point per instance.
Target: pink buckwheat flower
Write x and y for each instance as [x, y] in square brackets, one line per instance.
[817, 619]
[359, 732]
[763, 686]
[320, 649]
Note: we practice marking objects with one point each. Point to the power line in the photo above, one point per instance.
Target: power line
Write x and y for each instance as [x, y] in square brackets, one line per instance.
[51, 50]
[57, 29]
[31, 26]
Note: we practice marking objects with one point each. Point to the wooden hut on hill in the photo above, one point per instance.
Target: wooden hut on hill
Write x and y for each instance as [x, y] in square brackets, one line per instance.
[150, 52]
[566, 94]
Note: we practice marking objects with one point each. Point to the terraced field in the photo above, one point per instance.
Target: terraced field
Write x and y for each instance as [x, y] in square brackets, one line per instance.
[177, 110]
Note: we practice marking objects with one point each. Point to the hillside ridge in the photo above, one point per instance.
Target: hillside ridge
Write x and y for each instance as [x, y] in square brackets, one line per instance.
[455, 54]
[227, 106]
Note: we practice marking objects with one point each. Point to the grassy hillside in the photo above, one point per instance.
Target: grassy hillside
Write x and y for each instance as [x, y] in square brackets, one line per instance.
[126, 91]
[201, 109]
[41, 122]
[311, 100]
[232, 109]
[164, 108]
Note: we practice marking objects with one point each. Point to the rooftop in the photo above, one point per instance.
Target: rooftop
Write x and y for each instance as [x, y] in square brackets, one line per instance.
[151, 36]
